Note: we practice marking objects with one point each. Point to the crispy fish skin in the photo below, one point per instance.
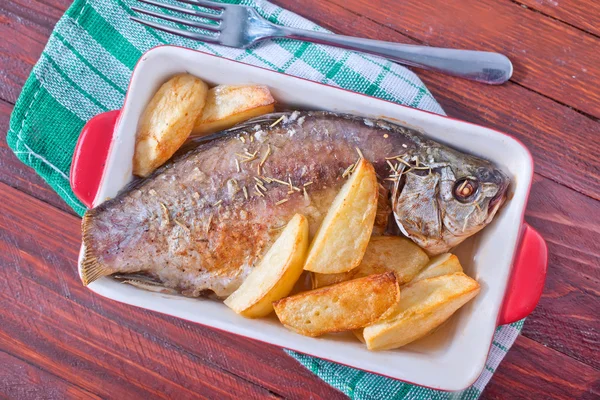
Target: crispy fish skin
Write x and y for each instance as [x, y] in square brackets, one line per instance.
[191, 227]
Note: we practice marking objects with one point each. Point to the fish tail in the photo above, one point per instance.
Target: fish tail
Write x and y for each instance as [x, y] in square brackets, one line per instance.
[91, 267]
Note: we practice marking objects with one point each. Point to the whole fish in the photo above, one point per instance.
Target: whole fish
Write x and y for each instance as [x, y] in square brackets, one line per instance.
[202, 221]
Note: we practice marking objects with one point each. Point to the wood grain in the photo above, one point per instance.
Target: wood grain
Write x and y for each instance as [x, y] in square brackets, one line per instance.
[40, 384]
[549, 57]
[17, 175]
[57, 324]
[566, 318]
[583, 14]
[531, 371]
[43, 328]
[24, 32]
[562, 141]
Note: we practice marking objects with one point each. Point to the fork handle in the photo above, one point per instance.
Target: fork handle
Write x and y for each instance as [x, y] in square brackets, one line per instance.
[481, 66]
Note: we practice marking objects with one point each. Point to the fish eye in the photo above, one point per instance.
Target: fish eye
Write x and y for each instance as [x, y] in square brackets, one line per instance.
[465, 189]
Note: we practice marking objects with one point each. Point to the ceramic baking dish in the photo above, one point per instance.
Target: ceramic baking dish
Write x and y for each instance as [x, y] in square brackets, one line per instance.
[508, 258]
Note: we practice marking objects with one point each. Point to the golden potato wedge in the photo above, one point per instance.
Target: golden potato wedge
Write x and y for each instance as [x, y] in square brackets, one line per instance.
[359, 335]
[167, 121]
[423, 306]
[337, 308]
[228, 105]
[342, 238]
[384, 253]
[275, 275]
[443, 264]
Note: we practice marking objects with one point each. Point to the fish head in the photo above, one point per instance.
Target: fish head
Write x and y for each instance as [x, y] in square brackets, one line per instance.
[444, 196]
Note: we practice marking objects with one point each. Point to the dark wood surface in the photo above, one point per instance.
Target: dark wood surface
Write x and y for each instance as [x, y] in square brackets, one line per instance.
[58, 340]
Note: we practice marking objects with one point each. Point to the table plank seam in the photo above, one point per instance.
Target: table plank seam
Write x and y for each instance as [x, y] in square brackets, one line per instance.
[558, 350]
[162, 342]
[528, 362]
[583, 364]
[150, 371]
[566, 186]
[585, 114]
[47, 371]
[70, 213]
[528, 7]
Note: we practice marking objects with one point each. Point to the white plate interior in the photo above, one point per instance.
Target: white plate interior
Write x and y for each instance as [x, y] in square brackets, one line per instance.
[450, 359]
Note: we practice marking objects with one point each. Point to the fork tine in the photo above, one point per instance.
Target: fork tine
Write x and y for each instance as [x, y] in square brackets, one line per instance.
[183, 10]
[201, 25]
[207, 4]
[179, 32]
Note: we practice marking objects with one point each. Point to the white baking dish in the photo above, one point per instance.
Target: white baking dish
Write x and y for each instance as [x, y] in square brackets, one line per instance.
[450, 359]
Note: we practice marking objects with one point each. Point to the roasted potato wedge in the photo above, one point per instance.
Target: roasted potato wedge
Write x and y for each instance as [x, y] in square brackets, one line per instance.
[342, 307]
[384, 253]
[342, 238]
[423, 306]
[443, 264]
[167, 121]
[359, 335]
[276, 274]
[228, 105]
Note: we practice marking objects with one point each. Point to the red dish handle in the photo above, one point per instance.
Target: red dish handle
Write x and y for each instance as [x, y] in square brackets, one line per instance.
[90, 156]
[527, 279]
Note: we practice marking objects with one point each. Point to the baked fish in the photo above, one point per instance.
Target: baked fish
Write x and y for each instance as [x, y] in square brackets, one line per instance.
[202, 221]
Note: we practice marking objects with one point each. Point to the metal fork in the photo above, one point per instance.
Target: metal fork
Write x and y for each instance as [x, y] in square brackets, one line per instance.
[240, 26]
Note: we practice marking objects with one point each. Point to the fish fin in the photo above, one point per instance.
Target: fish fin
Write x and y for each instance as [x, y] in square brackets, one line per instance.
[151, 287]
[91, 267]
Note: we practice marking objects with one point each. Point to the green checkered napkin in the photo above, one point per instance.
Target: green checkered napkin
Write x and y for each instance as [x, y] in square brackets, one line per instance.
[85, 69]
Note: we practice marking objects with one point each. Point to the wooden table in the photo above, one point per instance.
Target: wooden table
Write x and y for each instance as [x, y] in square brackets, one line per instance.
[59, 340]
